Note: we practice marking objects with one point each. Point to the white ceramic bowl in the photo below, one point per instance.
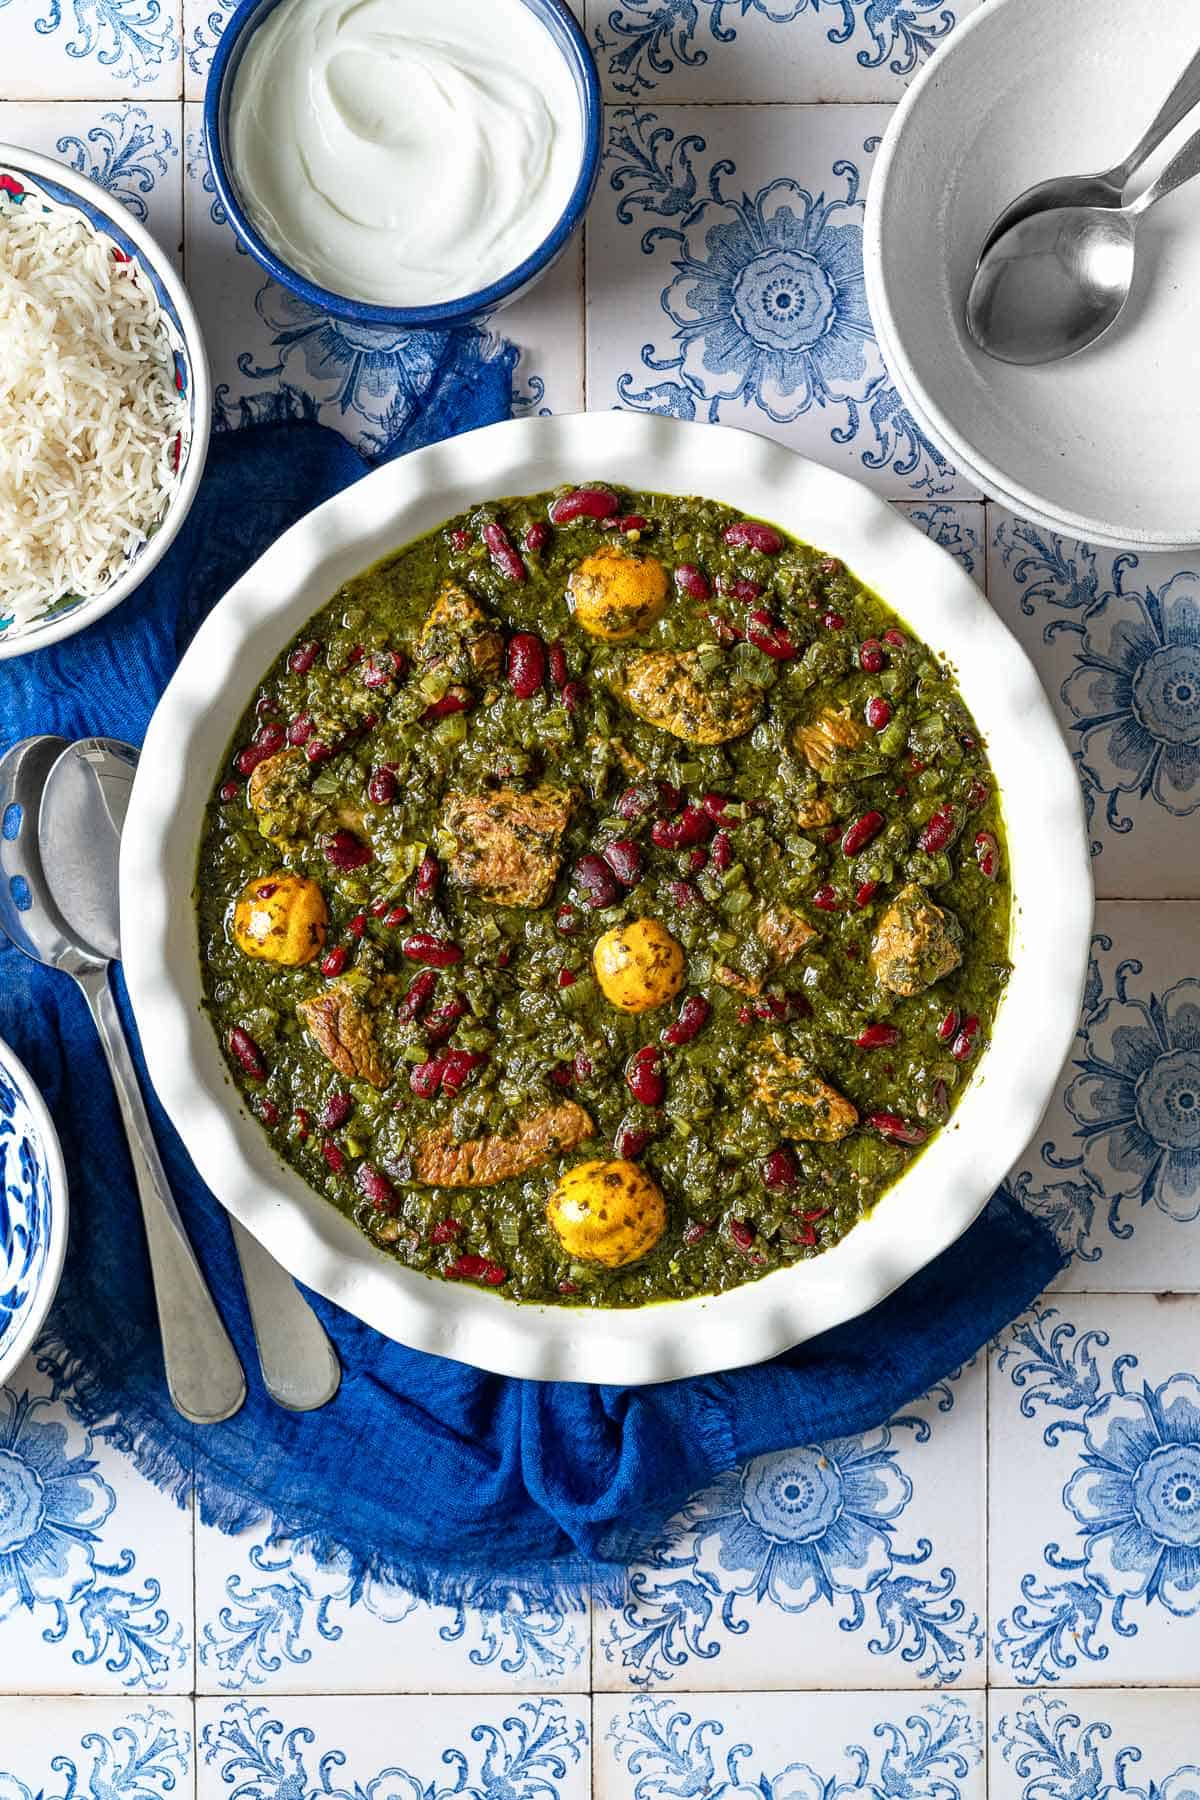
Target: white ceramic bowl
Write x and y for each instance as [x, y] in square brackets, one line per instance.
[1102, 445]
[944, 1188]
[44, 182]
[33, 1211]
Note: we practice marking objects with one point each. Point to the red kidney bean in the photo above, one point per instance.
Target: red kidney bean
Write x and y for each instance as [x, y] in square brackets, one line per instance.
[353, 657]
[526, 664]
[693, 1017]
[420, 993]
[357, 926]
[583, 503]
[878, 712]
[460, 540]
[458, 1066]
[244, 1049]
[726, 634]
[877, 1037]
[428, 875]
[670, 798]
[302, 1120]
[714, 805]
[500, 549]
[683, 893]
[399, 915]
[537, 536]
[938, 829]
[333, 1156]
[742, 1234]
[722, 851]
[826, 900]
[334, 961]
[229, 790]
[574, 695]
[625, 860]
[503, 958]
[445, 1231]
[425, 1079]
[864, 831]
[595, 882]
[583, 1066]
[317, 750]
[248, 759]
[693, 582]
[567, 919]
[270, 737]
[345, 851]
[556, 659]
[692, 826]
[265, 707]
[375, 1187]
[455, 701]
[631, 1140]
[477, 1268]
[440, 1023]
[630, 523]
[438, 953]
[644, 1077]
[737, 587]
[896, 1130]
[865, 893]
[871, 657]
[635, 803]
[987, 854]
[833, 621]
[380, 906]
[300, 729]
[695, 1231]
[964, 1044]
[769, 636]
[382, 667]
[697, 860]
[978, 795]
[948, 1026]
[568, 1287]
[267, 1110]
[915, 764]
[780, 1170]
[748, 534]
[567, 977]
[895, 638]
[336, 1111]
[805, 1232]
[303, 657]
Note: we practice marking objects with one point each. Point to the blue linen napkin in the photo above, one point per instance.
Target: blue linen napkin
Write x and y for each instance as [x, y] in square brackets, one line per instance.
[459, 1485]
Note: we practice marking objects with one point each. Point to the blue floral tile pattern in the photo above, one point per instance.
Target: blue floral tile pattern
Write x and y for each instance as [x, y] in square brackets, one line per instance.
[84, 1750]
[26, 1219]
[1125, 1466]
[126, 153]
[108, 46]
[748, 294]
[1054, 1748]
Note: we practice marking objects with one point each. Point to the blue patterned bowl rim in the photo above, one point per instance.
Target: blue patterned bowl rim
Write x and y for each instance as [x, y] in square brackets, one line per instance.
[20, 1325]
[57, 187]
[562, 26]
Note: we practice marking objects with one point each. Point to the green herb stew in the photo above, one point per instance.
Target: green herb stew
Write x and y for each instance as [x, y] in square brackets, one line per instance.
[605, 899]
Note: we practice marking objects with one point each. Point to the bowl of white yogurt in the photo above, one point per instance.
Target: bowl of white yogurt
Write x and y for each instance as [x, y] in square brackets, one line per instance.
[412, 163]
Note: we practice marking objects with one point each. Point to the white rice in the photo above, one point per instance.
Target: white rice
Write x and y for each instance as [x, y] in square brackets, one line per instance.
[89, 412]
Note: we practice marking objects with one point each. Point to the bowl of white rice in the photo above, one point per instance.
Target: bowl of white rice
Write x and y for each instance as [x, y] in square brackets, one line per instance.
[104, 402]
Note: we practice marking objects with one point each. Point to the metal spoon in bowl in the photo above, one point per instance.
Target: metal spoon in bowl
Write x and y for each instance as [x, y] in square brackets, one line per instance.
[1058, 281]
[204, 1376]
[1107, 188]
[82, 812]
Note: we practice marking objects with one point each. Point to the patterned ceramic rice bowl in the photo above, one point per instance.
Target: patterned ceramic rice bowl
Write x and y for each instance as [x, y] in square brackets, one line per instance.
[33, 1211]
[32, 180]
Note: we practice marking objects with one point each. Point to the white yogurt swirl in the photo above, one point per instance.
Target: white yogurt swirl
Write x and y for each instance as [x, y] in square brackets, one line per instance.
[404, 152]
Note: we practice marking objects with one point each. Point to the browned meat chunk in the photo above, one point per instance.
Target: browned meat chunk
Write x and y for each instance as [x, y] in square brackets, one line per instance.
[278, 791]
[739, 984]
[916, 943]
[830, 736]
[812, 813]
[458, 631]
[804, 1106]
[507, 843]
[483, 1161]
[345, 1034]
[784, 932]
[672, 690]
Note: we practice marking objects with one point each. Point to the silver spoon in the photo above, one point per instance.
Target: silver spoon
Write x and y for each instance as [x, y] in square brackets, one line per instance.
[204, 1376]
[1059, 280]
[1107, 188]
[82, 812]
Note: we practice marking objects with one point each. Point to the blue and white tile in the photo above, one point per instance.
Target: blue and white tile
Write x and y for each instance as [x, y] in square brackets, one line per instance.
[91, 49]
[93, 1749]
[1095, 1744]
[131, 148]
[791, 1746]
[756, 50]
[725, 282]
[1094, 1494]
[95, 1562]
[1115, 1167]
[959, 527]
[859, 1563]
[203, 23]
[1114, 638]
[273, 356]
[372, 1748]
[276, 1616]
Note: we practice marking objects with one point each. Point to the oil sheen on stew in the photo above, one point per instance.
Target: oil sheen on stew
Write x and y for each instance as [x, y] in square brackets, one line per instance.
[604, 899]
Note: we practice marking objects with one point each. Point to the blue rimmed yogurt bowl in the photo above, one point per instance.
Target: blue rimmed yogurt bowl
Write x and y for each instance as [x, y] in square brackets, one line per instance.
[36, 181]
[566, 36]
[33, 1211]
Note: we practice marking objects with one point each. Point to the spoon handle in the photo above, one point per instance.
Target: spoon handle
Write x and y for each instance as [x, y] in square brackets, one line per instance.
[204, 1377]
[1184, 166]
[1175, 108]
[300, 1369]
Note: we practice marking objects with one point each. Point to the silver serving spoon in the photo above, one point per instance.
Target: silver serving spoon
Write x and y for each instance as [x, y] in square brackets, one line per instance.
[1107, 188]
[204, 1376]
[82, 812]
[1058, 281]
